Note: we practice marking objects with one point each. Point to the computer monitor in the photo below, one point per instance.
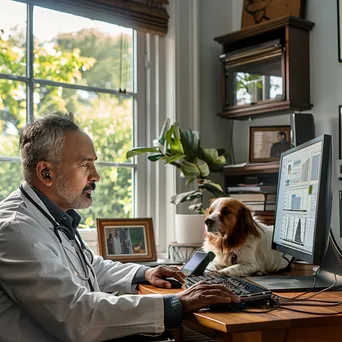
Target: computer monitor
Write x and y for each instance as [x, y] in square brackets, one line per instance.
[303, 212]
[304, 201]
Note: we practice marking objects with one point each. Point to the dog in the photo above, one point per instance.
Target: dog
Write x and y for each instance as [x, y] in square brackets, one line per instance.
[242, 245]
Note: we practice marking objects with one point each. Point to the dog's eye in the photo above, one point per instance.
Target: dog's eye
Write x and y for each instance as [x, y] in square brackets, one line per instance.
[225, 211]
[234, 259]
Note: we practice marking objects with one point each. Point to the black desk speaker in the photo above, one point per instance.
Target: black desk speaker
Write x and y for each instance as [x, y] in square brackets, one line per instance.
[302, 128]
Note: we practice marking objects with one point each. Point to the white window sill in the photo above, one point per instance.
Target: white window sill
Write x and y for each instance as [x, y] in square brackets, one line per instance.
[90, 237]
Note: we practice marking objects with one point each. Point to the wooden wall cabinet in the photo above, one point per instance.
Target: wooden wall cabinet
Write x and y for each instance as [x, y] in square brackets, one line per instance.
[266, 69]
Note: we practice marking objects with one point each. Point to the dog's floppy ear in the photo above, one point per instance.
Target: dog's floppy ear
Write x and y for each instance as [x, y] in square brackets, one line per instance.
[246, 222]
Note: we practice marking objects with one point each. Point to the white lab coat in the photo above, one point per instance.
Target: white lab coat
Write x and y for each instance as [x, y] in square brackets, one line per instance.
[43, 299]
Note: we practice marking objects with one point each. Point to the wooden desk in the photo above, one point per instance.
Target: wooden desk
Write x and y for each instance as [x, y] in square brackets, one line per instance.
[278, 325]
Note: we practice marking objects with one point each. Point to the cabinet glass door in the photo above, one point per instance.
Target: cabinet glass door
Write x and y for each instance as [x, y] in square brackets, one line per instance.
[254, 77]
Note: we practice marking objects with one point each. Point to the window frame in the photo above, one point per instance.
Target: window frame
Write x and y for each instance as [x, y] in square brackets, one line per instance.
[30, 81]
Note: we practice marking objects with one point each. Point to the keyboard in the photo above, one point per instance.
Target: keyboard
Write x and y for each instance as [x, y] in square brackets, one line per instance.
[246, 290]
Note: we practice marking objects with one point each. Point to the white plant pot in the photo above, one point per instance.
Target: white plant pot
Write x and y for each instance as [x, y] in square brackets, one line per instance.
[189, 228]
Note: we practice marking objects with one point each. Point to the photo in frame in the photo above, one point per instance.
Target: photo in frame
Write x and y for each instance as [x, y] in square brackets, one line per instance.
[266, 143]
[126, 240]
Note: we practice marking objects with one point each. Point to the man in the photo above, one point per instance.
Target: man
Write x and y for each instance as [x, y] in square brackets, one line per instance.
[279, 147]
[117, 243]
[110, 243]
[126, 244]
[50, 288]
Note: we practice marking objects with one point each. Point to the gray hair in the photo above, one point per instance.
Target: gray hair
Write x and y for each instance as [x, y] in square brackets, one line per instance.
[43, 139]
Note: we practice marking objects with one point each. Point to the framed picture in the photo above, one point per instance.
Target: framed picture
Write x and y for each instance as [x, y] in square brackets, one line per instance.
[126, 240]
[256, 12]
[266, 143]
[339, 29]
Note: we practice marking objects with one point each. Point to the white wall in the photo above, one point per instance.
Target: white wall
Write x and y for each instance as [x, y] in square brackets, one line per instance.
[214, 21]
[326, 81]
[325, 84]
[198, 72]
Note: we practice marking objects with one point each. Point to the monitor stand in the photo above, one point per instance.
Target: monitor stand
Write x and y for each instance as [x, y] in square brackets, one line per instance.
[331, 266]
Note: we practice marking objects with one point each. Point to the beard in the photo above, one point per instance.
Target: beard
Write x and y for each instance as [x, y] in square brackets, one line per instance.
[75, 200]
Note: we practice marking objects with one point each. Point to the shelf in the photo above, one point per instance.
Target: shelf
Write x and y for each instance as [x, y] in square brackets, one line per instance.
[265, 213]
[266, 217]
[252, 169]
[262, 109]
[264, 28]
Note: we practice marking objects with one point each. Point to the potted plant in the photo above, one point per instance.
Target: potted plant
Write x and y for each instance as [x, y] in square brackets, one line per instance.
[182, 149]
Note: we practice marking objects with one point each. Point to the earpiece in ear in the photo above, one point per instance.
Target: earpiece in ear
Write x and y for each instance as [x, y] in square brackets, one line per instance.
[47, 174]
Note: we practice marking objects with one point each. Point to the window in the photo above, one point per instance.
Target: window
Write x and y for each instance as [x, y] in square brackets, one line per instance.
[51, 60]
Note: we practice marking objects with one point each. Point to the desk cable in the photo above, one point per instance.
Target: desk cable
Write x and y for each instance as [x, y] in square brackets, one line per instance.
[274, 304]
[278, 301]
[298, 297]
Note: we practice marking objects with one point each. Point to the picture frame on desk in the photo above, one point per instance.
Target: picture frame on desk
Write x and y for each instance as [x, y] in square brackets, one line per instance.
[266, 143]
[126, 240]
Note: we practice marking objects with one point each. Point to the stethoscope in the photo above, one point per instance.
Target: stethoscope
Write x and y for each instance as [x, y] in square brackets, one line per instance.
[85, 256]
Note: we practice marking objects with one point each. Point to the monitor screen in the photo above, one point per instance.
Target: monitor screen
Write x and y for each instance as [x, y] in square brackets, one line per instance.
[302, 218]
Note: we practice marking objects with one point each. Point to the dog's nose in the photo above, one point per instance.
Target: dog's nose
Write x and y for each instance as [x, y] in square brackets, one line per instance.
[209, 222]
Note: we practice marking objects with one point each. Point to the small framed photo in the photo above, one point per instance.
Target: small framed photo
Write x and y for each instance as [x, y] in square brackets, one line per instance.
[267, 143]
[126, 240]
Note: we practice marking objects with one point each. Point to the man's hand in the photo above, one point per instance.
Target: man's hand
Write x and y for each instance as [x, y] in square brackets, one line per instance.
[156, 276]
[203, 294]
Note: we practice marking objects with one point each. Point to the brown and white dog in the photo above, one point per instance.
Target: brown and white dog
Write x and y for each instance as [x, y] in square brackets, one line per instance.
[241, 244]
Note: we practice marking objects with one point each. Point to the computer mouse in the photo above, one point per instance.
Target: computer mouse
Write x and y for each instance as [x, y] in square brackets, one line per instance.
[175, 284]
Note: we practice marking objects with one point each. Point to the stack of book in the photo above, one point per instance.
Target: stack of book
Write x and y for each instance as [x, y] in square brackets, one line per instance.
[258, 198]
